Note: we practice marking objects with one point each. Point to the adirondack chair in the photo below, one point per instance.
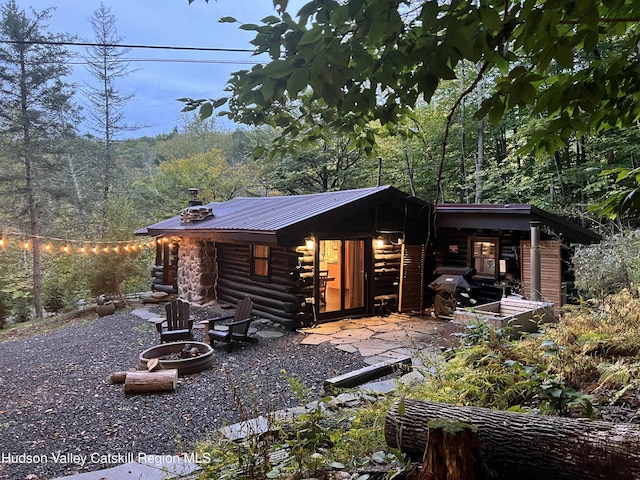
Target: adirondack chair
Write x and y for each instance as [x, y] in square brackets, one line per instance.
[236, 330]
[178, 324]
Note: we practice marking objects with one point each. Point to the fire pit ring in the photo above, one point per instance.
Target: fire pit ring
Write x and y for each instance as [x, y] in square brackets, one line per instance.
[184, 366]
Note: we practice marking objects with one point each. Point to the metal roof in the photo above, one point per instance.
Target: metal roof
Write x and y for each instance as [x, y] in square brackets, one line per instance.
[509, 217]
[270, 215]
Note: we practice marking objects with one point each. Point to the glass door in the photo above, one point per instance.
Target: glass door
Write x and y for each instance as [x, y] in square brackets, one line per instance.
[341, 275]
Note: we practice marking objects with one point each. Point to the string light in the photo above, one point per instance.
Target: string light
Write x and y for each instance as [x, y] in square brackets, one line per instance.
[67, 246]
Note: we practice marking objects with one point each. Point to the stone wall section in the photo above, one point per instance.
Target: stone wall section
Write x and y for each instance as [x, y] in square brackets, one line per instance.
[197, 271]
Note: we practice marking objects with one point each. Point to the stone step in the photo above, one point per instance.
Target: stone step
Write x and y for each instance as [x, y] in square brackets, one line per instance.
[366, 374]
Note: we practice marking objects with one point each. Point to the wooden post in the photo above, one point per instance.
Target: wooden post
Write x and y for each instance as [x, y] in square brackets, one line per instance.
[145, 382]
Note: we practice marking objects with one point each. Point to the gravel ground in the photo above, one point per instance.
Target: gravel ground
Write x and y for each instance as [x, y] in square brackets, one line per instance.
[58, 405]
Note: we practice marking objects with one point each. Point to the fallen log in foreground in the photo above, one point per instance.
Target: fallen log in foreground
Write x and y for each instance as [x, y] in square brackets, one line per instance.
[526, 446]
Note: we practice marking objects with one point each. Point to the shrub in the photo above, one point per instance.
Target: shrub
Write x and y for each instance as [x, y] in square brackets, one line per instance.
[608, 267]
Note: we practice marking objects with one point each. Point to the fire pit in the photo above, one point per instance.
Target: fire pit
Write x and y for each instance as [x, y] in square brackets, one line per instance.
[198, 356]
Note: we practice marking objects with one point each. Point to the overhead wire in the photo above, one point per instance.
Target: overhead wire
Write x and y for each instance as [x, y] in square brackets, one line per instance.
[152, 47]
[125, 45]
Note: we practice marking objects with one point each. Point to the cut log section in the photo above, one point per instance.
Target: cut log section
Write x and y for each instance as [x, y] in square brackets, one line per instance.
[453, 453]
[118, 377]
[147, 382]
[526, 446]
[153, 365]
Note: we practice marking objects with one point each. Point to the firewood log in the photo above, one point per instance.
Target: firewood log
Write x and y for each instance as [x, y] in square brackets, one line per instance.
[146, 382]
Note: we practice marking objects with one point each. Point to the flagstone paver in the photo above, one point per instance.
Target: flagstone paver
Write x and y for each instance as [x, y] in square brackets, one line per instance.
[315, 339]
[347, 347]
[343, 340]
[362, 333]
[325, 329]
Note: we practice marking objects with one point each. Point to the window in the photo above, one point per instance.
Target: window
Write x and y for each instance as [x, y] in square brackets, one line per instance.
[484, 256]
[260, 261]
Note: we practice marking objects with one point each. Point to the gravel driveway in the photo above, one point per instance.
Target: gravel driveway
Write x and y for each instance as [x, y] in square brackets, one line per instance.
[58, 405]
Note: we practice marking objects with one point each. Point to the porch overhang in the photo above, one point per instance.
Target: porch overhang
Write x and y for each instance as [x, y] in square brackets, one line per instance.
[517, 217]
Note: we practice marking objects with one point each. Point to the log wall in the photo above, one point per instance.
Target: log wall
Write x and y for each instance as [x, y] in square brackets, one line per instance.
[277, 298]
[164, 273]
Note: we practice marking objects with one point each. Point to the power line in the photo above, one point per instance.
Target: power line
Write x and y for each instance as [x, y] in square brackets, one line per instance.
[178, 60]
[124, 45]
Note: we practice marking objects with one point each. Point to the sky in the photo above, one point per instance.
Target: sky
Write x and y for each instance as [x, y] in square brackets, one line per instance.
[156, 85]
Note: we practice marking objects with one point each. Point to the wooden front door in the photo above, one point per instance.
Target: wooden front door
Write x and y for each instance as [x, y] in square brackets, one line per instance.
[342, 277]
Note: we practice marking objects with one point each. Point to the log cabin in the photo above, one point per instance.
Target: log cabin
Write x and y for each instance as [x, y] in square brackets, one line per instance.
[307, 259]
[302, 259]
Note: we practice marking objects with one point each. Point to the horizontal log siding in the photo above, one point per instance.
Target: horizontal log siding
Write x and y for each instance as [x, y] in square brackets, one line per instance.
[276, 298]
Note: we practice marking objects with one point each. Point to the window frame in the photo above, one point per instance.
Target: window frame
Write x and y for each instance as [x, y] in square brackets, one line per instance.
[258, 256]
[471, 260]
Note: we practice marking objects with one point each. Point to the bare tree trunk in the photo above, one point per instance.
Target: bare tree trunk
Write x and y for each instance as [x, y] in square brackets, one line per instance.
[27, 153]
[480, 157]
[526, 446]
[409, 172]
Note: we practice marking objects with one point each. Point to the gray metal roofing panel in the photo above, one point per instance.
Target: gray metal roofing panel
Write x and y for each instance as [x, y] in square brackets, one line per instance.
[268, 214]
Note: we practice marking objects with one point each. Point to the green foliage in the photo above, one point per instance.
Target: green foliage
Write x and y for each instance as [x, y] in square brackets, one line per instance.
[312, 443]
[19, 296]
[609, 266]
[355, 62]
[4, 310]
[116, 273]
[624, 200]
[326, 166]
[491, 370]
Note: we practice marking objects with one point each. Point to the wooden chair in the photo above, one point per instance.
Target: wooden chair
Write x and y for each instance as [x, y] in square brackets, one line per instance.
[178, 324]
[236, 330]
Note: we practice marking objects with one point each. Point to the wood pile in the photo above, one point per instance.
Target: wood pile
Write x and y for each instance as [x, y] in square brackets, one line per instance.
[153, 379]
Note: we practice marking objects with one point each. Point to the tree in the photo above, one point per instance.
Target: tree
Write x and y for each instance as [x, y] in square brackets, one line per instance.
[208, 171]
[328, 166]
[32, 95]
[353, 63]
[106, 64]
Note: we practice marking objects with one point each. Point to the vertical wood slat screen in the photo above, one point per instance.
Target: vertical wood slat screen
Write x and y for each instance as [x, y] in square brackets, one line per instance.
[411, 289]
[550, 271]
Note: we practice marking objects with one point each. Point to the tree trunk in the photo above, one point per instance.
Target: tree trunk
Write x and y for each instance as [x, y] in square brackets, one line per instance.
[480, 156]
[526, 446]
[453, 452]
